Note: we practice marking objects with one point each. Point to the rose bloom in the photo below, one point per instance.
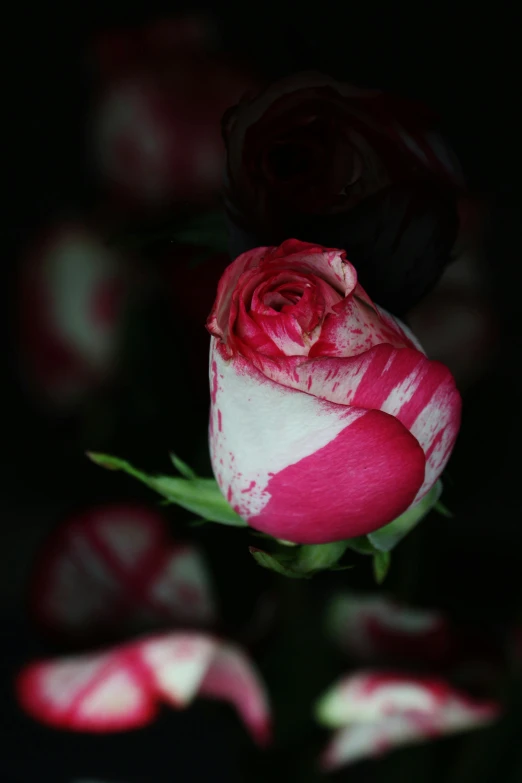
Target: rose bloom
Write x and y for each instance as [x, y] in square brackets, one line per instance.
[327, 419]
[345, 167]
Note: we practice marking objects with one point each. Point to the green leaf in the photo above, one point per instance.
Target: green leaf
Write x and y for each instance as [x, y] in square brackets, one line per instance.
[381, 566]
[201, 496]
[182, 467]
[387, 537]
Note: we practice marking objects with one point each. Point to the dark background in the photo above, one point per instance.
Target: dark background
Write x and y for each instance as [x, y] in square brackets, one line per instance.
[465, 64]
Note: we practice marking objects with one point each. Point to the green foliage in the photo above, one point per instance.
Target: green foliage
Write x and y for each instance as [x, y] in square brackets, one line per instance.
[201, 496]
[381, 566]
[387, 537]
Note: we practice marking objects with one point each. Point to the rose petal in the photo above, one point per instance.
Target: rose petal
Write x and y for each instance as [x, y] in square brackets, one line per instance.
[119, 690]
[92, 693]
[231, 677]
[401, 382]
[373, 626]
[330, 265]
[115, 566]
[73, 294]
[377, 711]
[290, 445]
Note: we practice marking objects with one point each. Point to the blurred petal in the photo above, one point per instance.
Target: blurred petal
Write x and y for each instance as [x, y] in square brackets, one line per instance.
[114, 567]
[371, 626]
[74, 291]
[91, 693]
[184, 665]
[120, 689]
[378, 710]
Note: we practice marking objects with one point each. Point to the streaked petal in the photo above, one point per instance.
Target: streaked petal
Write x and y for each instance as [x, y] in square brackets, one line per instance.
[119, 690]
[115, 567]
[376, 712]
[91, 693]
[371, 626]
[288, 446]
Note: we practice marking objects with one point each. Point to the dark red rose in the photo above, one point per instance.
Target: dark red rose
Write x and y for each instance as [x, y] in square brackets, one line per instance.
[332, 164]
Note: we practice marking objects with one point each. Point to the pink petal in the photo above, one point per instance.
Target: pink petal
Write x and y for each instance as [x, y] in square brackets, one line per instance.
[74, 291]
[177, 664]
[401, 382]
[372, 739]
[184, 665]
[328, 264]
[120, 689]
[92, 693]
[156, 129]
[274, 450]
[232, 678]
[371, 626]
[115, 566]
[373, 695]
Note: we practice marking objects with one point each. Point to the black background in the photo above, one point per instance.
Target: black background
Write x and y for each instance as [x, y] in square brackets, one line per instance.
[464, 61]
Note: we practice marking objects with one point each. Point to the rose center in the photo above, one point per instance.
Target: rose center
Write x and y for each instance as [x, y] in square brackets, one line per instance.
[282, 297]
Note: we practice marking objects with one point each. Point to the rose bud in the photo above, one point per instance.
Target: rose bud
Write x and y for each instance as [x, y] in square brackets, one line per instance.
[375, 712]
[120, 689]
[74, 291]
[345, 167]
[115, 568]
[155, 126]
[327, 419]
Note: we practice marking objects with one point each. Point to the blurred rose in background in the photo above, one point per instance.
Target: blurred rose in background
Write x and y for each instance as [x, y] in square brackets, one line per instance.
[73, 292]
[156, 118]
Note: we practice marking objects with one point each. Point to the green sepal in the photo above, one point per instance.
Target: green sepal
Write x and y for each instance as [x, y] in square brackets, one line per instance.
[361, 545]
[273, 563]
[386, 538]
[381, 566]
[301, 561]
[201, 496]
[443, 510]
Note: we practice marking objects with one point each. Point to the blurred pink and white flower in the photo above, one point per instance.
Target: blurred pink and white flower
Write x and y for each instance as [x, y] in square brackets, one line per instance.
[115, 568]
[370, 626]
[374, 712]
[327, 420]
[122, 688]
[156, 124]
[74, 291]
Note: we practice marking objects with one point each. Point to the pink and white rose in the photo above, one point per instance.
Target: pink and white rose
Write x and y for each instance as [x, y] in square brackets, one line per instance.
[327, 419]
